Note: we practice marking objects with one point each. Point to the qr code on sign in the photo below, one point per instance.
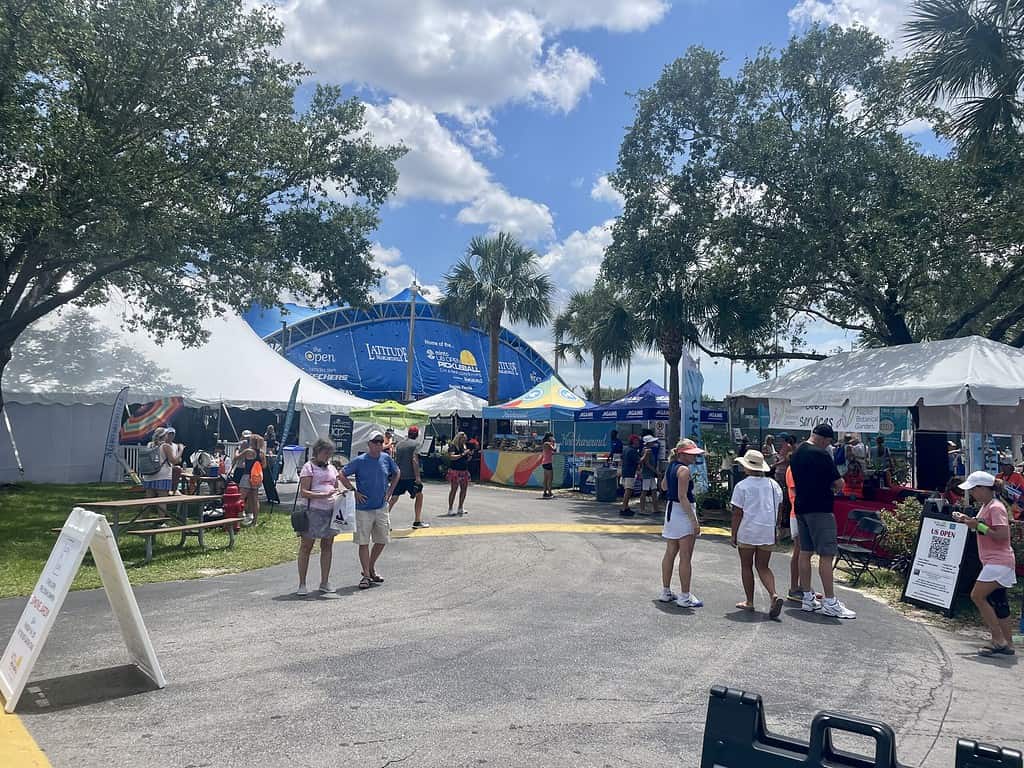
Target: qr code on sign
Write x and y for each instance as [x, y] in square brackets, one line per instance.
[939, 549]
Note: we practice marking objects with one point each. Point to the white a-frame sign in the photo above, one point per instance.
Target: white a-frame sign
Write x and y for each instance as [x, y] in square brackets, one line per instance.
[82, 530]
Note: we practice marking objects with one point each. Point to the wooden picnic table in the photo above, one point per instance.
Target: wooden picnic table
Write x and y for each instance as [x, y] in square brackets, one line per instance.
[140, 505]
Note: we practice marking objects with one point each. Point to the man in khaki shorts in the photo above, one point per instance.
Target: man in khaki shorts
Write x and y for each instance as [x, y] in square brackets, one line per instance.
[376, 475]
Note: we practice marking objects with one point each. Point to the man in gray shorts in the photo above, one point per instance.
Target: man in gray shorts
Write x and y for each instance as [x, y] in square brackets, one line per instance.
[817, 480]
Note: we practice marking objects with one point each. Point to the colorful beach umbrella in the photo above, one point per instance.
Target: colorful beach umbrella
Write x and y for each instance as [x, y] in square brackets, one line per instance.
[148, 417]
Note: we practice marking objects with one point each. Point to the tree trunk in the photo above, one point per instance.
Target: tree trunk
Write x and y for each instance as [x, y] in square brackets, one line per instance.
[673, 353]
[595, 393]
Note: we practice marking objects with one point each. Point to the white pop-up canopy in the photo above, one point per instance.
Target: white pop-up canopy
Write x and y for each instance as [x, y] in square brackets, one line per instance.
[451, 402]
[968, 384]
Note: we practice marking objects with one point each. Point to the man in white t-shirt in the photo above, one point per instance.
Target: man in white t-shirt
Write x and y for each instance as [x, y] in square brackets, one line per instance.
[755, 508]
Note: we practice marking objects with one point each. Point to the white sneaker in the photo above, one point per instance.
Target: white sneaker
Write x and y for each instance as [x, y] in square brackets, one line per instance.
[667, 595]
[461, 513]
[810, 605]
[690, 602]
[451, 513]
[301, 591]
[837, 610]
[326, 587]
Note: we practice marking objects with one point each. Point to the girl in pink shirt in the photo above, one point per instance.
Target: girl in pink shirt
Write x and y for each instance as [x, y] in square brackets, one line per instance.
[998, 567]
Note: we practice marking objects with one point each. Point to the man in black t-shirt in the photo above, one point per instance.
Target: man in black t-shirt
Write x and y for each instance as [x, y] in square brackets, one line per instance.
[630, 464]
[817, 480]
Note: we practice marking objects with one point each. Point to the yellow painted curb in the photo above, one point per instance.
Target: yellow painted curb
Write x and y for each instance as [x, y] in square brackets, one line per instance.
[514, 528]
[17, 747]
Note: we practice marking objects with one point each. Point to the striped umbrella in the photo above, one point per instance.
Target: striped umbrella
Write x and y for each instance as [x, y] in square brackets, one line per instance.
[149, 417]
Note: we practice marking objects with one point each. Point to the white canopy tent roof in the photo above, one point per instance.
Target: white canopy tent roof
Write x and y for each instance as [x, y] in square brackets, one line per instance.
[234, 367]
[964, 384]
[451, 402]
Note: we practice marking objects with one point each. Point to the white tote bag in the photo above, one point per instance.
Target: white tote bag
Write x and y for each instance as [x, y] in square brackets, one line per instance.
[344, 517]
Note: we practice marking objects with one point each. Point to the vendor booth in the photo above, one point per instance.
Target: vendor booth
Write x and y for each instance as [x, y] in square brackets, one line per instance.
[972, 386]
[452, 411]
[516, 458]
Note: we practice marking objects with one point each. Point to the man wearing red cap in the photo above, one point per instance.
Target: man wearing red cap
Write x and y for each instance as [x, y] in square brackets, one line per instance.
[408, 459]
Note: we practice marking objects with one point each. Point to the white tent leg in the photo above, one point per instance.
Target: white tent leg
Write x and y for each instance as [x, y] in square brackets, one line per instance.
[225, 408]
[14, 444]
[309, 419]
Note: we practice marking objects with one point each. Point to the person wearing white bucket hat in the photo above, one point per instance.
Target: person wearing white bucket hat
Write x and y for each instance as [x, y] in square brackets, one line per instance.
[998, 565]
[755, 509]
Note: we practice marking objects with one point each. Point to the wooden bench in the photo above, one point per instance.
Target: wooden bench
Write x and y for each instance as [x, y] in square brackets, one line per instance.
[140, 521]
[198, 528]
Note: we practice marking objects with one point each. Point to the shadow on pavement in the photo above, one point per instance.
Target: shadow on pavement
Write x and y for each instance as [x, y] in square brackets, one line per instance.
[747, 617]
[813, 618]
[84, 688]
[673, 609]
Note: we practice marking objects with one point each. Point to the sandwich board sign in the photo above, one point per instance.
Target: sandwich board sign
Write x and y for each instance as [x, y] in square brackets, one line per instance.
[82, 531]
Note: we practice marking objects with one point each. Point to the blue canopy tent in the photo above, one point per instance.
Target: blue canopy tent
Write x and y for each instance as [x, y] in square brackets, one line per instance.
[648, 402]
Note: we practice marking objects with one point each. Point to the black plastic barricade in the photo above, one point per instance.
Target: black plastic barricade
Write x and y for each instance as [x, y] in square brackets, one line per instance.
[735, 736]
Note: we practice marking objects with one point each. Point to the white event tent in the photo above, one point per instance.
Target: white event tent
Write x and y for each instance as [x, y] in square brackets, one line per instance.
[60, 432]
[451, 402]
[968, 384]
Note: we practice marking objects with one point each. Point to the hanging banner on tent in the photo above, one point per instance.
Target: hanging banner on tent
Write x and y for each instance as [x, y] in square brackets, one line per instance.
[83, 531]
[785, 415]
[148, 417]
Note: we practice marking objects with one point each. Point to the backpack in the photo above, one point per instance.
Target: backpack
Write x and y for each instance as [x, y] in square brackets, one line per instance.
[256, 475]
[151, 459]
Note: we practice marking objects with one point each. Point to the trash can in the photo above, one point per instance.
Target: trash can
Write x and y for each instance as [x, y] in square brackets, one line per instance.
[606, 481]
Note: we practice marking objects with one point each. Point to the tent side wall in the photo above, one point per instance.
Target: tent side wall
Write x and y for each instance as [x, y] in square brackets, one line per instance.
[57, 443]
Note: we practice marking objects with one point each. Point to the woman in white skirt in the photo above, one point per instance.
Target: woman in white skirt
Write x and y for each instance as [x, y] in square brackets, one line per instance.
[755, 509]
[681, 527]
[998, 565]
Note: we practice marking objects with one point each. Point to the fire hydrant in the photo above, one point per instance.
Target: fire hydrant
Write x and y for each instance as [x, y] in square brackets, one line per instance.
[232, 503]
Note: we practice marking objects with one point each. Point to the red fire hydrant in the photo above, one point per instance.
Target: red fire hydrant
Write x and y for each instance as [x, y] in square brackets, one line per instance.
[232, 503]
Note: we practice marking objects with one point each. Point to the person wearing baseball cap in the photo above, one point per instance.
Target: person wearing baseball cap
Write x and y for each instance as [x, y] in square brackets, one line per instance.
[756, 501]
[648, 469]
[377, 476]
[817, 481]
[408, 459]
[630, 471]
[681, 527]
[998, 565]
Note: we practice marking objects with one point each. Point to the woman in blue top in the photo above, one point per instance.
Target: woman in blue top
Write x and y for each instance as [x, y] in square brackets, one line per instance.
[681, 525]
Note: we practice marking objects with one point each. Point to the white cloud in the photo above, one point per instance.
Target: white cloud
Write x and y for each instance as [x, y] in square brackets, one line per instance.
[575, 262]
[457, 56]
[604, 192]
[397, 275]
[883, 17]
[439, 168]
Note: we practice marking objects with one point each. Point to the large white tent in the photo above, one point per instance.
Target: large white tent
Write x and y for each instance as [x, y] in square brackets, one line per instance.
[60, 431]
[968, 384]
[451, 402]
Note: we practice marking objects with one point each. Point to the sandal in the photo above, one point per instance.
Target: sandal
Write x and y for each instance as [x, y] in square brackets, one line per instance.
[744, 606]
[377, 578]
[776, 609]
[364, 583]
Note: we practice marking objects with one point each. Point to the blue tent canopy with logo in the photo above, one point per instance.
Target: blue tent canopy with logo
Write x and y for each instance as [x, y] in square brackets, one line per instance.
[648, 402]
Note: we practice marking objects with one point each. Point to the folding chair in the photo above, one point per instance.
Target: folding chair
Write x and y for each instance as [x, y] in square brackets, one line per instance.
[850, 534]
[856, 559]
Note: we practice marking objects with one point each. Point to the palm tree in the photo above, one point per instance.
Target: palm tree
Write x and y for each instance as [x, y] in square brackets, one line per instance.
[498, 278]
[597, 323]
[972, 53]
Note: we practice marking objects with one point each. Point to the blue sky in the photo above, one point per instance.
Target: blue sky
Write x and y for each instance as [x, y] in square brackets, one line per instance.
[513, 114]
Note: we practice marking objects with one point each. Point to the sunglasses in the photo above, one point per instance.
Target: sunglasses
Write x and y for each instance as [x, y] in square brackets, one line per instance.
[378, 440]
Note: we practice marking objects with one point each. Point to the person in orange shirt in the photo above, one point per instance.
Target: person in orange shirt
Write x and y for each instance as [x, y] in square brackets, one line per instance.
[1012, 487]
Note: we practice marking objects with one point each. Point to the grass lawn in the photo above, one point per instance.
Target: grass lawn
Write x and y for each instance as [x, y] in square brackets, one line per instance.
[29, 511]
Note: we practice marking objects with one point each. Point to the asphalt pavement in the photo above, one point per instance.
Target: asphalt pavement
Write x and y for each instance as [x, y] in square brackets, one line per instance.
[506, 649]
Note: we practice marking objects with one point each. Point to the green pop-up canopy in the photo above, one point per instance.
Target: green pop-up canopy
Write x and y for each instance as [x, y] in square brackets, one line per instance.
[390, 413]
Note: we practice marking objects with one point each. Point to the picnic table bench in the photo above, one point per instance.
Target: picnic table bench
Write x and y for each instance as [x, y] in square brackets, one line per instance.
[150, 534]
[177, 506]
[138, 521]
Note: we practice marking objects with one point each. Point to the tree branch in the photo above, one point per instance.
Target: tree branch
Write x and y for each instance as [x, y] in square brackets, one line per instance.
[754, 358]
[975, 311]
[829, 320]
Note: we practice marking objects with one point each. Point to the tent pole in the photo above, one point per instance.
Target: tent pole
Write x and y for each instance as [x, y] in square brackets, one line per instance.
[310, 420]
[14, 444]
[222, 405]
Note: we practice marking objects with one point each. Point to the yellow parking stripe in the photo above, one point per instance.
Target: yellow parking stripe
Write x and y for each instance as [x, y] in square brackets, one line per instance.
[514, 528]
[17, 747]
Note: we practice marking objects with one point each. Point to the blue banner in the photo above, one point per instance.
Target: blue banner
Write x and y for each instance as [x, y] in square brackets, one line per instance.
[371, 359]
[693, 387]
[714, 416]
